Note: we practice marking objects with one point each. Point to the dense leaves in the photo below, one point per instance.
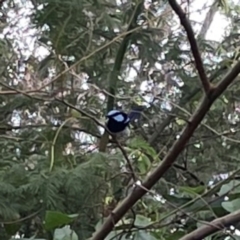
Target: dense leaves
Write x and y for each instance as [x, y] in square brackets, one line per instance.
[54, 184]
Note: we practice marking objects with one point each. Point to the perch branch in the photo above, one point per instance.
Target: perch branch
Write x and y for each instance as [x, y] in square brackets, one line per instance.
[212, 227]
[169, 159]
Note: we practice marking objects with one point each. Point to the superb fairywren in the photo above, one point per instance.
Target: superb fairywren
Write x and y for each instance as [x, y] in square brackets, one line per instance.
[118, 120]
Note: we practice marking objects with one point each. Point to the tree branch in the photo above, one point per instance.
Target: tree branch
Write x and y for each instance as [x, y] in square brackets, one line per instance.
[212, 227]
[193, 43]
[169, 159]
[183, 101]
[207, 22]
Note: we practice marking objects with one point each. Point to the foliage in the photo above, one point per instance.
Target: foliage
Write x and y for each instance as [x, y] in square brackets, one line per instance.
[55, 184]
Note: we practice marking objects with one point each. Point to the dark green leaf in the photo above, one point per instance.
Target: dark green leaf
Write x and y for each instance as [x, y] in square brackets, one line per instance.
[55, 219]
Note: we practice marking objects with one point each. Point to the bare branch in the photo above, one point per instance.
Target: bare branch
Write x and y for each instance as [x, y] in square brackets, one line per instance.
[212, 227]
[193, 43]
[207, 22]
[183, 102]
[169, 159]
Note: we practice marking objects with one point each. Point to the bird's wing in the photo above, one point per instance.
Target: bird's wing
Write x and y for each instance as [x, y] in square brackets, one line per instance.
[135, 113]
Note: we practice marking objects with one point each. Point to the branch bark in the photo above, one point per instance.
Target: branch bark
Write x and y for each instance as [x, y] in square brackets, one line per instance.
[182, 102]
[169, 159]
[193, 43]
[212, 227]
[206, 24]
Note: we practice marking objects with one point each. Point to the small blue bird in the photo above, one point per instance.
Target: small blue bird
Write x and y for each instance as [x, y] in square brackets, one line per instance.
[118, 120]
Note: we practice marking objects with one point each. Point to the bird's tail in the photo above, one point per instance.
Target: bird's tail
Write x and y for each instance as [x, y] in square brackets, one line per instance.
[135, 113]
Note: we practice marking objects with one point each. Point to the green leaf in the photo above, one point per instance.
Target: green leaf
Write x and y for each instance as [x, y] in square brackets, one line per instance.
[144, 164]
[112, 235]
[12, 229]
[205, 214]
[64, 233]
[55, 219]
[192, 190]
[231, 206]
[141, 144]
[176, 235]
[180, 122]
[99, 224]
[142, 221]
[143, 235]
[233, 186]
[115, 235]
[236, 237]
[176, 200]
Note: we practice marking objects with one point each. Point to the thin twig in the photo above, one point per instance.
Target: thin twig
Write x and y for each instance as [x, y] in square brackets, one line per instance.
[24, 218]
[124, 153]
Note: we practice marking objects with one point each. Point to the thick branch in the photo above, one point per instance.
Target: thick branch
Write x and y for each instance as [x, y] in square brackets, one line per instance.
[183, 102]
[193, 43]
[212, 227]
[207, 22]
[169, 159]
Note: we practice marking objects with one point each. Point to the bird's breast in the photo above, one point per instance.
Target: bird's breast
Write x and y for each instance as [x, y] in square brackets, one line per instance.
[116, 127]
